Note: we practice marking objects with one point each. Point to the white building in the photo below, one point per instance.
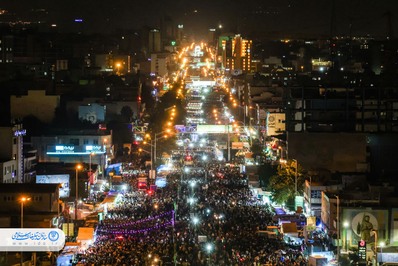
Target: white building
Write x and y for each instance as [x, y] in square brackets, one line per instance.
[160, 63]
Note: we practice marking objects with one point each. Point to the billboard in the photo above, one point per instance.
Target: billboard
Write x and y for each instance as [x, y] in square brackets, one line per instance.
[93, 113]
[364, 224]
[56, 179]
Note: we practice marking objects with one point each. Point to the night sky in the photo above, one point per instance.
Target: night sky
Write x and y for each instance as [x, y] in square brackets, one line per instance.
[288, 17]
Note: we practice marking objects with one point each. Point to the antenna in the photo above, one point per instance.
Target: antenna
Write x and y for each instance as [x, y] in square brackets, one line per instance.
[390, 31]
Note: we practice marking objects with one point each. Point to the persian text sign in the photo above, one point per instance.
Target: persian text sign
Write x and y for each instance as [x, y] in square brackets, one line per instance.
[31, 239]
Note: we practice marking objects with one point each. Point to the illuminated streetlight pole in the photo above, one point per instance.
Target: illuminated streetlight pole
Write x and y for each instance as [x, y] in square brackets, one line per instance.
[147, 136]
[23, 200]
[104, 157]
[78, 167]
[195, 222]
[229, 145]
[151, 156]
[382, 244]
[91, 154]
[156, 139]
[345, 224]
[295, 178]
[209, 248]
[338, 229]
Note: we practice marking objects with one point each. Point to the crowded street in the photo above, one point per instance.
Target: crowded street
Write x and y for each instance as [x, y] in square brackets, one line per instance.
[192, 221]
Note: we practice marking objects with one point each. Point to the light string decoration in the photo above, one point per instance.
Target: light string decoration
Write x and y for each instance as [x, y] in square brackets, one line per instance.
[132, 223]
[118, 230]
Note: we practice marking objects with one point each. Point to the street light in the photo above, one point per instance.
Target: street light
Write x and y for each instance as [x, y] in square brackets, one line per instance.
[91, 154]
[103, 161]
[118, 66]
[209, 249]
[192, 184]
[195, 220]
[295, 178]
[345, 224]
[23, 200]
[151, 145]
[244, 112]
[338, 228]
[78, 167]
[382, 244]
[156, 139]
[204, 158]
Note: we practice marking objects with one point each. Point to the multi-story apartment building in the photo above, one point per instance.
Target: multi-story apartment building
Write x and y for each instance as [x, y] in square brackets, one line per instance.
[35, 102]
[236, 53]
[11, 153]
[39, 211]
[154, 41]
[160, 63]
[342, 109]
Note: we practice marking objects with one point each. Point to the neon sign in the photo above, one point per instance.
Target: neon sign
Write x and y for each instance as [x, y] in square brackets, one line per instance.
[18, 133]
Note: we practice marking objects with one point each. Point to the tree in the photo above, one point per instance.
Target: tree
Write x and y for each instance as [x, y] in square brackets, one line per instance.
[282, 185]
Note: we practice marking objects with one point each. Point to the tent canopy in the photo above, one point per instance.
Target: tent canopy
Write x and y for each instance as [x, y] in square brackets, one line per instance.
[85, 233]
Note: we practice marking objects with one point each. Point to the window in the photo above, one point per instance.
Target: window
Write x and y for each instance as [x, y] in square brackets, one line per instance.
[316, 194]
[8, 198]
[85, 141]
[74, 142]
[37, 198]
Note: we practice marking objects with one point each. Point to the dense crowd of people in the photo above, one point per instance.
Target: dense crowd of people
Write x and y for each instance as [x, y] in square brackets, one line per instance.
[200, 218]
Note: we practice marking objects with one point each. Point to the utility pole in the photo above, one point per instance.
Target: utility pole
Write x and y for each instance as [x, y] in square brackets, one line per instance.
[338, 229]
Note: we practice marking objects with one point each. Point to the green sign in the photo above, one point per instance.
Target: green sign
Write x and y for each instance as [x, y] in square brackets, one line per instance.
[311, 228]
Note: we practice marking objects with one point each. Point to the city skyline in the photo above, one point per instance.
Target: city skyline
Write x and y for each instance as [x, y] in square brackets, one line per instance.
[286, 18]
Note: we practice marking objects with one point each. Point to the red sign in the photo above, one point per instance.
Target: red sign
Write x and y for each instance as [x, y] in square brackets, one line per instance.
[362, 249]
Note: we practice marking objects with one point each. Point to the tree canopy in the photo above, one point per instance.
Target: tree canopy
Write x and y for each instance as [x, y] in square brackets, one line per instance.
[282, 185]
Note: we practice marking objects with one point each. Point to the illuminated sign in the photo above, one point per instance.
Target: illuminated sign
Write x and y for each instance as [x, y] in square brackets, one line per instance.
[21, 132]
[362, 250]
[95, 149]
[32, 239]
[64, 148]
[74, 150]
[56, 179]
[221, 129]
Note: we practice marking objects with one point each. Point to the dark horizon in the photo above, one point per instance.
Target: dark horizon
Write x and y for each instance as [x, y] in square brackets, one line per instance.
[280, 18]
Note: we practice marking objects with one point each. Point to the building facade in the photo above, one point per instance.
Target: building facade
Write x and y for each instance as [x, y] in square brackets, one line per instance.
[36, 103]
